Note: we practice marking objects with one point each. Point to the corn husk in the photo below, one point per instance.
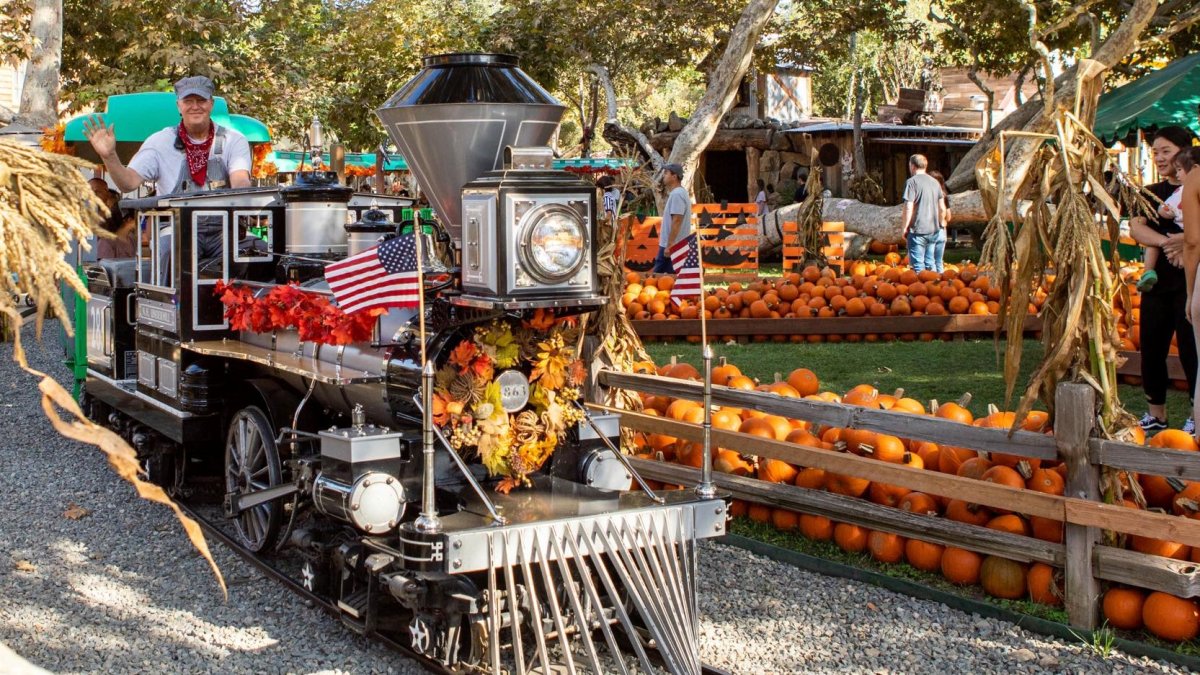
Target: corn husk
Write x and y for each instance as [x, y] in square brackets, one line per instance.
[45, 205]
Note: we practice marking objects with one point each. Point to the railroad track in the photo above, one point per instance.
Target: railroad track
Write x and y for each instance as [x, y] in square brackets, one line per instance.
[213, 530]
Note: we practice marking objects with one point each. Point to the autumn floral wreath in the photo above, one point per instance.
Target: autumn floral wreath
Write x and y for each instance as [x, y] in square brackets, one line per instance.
[467, 395]
[313, 316]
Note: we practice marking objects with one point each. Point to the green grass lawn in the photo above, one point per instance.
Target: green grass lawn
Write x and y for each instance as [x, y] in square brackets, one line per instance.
[926, 370]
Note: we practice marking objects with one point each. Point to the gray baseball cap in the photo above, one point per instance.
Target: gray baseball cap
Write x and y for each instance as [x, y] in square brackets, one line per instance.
[196, 85]
[674, 168]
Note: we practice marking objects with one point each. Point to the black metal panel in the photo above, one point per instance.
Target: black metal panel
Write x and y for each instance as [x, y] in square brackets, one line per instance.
[166, 420]
[470, 78]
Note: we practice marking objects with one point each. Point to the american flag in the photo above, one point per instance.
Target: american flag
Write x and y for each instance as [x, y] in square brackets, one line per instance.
[686, 261]
[381, 276]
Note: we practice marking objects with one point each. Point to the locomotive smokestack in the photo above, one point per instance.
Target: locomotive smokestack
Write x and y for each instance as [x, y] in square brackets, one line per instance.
[453, 120]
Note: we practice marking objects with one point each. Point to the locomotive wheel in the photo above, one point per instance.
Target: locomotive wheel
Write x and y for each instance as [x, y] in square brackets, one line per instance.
[252, 464]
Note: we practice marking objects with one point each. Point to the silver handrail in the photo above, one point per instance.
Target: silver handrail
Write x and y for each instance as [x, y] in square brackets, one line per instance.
[620, 456]
[462, 466]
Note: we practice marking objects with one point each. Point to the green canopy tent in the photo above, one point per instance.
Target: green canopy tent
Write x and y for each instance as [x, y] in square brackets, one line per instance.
[136, 116]
[1170, 96]
[288, 161]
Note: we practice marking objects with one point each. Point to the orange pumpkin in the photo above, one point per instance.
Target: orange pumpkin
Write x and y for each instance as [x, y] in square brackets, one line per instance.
[850, 538]
[1171, 618]
[760, 513]
[846, 485]
[1123, 608]
[815, 527]
[886, 547]
[1045, 585]
[919, 503]
[775, 471]
[924, 555]
[804, 381]
[785, 520]
[1174, 439]
[961, 566]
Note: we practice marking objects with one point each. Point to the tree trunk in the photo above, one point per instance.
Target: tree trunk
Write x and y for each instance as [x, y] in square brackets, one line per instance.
[722, 87]
[39, 96]
[1119, 44]
[881, 223]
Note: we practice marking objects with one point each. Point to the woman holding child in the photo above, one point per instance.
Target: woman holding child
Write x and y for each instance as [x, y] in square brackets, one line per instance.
[1164, 300]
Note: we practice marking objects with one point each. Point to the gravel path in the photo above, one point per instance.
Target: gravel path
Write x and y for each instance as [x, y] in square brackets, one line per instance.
[120, 590]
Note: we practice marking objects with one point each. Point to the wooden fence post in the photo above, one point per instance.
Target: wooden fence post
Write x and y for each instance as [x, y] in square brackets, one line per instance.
[1075, 416]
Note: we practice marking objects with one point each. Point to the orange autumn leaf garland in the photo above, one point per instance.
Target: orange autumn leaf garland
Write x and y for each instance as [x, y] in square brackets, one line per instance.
[313, 316]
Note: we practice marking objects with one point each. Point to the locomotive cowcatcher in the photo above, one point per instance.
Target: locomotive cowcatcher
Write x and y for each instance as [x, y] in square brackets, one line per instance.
[324, 459]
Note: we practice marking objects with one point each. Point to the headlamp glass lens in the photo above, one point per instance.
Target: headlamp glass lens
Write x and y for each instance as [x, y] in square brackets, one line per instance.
[556, 243]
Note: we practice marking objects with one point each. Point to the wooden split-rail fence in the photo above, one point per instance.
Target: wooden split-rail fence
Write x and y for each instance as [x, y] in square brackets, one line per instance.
[1082, 556]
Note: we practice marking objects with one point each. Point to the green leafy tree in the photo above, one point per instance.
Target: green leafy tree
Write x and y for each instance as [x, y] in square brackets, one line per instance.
[646, 47]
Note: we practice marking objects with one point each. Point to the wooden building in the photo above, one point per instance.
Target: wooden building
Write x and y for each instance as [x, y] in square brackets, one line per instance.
[887, 148]
[11, 79]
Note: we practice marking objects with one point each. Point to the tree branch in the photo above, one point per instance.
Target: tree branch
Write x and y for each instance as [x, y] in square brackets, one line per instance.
[1181, 23]
[1067, 19]
[722, 86]
[1117, 45]
[616, 133]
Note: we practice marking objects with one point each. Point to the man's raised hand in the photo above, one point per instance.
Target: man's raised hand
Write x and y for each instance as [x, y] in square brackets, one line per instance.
[101, 136]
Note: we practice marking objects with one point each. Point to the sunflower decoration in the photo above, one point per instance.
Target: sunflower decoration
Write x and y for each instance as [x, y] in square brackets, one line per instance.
[511, 445]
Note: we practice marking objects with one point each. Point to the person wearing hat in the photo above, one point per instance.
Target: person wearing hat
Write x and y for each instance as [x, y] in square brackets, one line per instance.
[197, 154]
[676, 217]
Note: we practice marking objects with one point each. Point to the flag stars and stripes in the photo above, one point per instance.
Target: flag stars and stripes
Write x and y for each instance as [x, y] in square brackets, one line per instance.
[387, 275]
[685, 258]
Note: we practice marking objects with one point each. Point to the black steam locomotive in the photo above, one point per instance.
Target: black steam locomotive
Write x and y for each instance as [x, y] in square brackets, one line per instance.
[323, 457]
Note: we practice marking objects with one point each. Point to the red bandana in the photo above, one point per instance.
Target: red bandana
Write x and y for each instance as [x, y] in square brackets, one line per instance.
[197, 154]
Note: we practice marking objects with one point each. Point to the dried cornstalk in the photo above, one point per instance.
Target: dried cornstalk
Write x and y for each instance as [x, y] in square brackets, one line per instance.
[1065, 190]
[620, 346]
[45, 204]
[809, 218]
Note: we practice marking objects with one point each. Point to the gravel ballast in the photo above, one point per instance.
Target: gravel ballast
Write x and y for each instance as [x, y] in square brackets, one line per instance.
[120, 590]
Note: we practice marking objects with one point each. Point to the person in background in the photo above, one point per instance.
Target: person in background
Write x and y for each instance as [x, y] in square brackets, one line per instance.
[772, 197]
[1164, 306]
[801, 186]
[922, 218]
[676, 217]
[1169, 209]
[611, 195]
[760, 200]
[126, 243]
[935, 259]
[1187, 163]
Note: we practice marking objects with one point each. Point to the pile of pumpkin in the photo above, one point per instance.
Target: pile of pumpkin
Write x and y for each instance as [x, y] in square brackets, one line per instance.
[1164, 615]
[1127, 313]
[868, 290]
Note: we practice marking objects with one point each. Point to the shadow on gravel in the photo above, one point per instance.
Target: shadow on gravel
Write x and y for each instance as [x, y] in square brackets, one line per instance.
[119, 590]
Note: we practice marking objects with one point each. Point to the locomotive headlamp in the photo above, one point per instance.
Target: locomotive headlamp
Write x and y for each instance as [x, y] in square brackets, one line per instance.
[527, 239]
[553, 243]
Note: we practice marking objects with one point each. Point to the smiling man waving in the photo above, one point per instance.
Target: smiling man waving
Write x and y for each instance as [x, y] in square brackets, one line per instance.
[197, 154]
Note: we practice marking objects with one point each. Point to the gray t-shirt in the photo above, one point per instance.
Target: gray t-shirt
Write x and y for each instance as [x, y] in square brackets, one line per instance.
[159, 161]
[926, 195]
[677, 202]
